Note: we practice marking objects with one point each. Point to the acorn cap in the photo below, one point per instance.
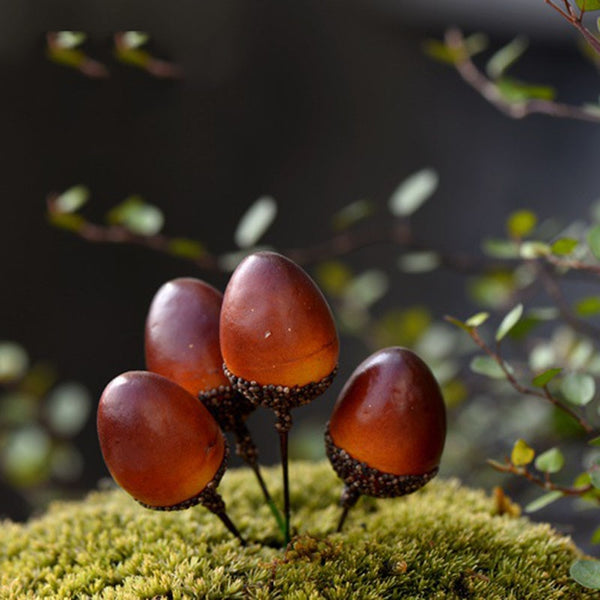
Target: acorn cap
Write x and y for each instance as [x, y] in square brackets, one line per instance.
[390, 415]
[182, 335]
[160, 444]
[276, 327]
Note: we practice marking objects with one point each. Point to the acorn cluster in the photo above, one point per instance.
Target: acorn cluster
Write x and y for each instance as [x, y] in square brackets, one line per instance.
[269, 341]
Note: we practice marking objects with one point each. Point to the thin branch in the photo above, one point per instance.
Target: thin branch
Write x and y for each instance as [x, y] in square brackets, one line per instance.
[544, 393]
[489, 90]
[576, 20]
[398, 234]
[544, 482]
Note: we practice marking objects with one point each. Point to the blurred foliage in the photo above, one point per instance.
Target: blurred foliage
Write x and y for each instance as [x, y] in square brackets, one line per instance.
[40, 418]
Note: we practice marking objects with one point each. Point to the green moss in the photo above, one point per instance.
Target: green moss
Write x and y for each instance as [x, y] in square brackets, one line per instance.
[442, 542]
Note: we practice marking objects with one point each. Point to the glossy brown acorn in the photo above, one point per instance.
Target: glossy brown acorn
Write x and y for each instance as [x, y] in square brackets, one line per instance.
[387, 431]
[182, 335]
[277, 330]
[160, 444]
[278, 340]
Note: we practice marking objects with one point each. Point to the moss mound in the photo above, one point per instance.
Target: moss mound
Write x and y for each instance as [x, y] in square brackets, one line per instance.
[442, 542]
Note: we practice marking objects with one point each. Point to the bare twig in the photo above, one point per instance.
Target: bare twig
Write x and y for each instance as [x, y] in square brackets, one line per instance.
[544, 482]
[489, 90]
[543, 393]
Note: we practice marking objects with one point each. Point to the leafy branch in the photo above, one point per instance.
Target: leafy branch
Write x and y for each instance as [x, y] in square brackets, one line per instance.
[541, 382]
[511, 97]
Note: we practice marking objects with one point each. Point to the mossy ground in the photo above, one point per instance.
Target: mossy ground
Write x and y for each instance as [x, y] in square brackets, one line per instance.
[441, 542]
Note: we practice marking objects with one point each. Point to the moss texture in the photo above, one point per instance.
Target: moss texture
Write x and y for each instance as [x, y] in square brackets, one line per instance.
[442, 542]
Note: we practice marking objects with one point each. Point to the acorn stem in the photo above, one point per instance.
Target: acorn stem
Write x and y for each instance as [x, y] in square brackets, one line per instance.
[349, 498]
[229, 524]
[283, 443]
[247, 451]
[283, 425]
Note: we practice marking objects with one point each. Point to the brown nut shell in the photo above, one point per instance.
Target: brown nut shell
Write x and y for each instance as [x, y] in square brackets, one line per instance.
[391, 415]
[160, 444]
[276, 327]
[182, 335]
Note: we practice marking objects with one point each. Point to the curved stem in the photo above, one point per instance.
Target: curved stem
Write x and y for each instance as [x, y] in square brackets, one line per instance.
[349, 498]
[247, 451]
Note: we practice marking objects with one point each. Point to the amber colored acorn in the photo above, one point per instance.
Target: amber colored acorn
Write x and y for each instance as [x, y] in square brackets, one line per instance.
[161, 445]
[182, 343]
[278, 339]
[387, 431]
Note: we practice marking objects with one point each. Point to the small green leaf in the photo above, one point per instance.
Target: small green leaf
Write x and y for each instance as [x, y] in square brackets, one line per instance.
[521, 223]
[578, 388]
[564, 246]
[186, 248]
[505, 57]
[352, 214]
[134, 39]
[439, 51]
[595, 539]
[522, 453]
[13, 361]
[255, 222]
[529, 250]
[71, 200]
[138, 216]
[67, 408]
[333, 276]
[519, 91]
[67, 221]
[588, 4]
[593, 240]
[588, 307]
[509, 321]
[410, 195]
[546, 377]
[477, 319]
[551, 461]
[486, 365]
[542, 501]
[595, 441]
[402, 327]
[498, 248]
[69, 39]
[492, 290]
[595, 478]
[419, 262]
[457, 322]
[367, 288]
[586, 572]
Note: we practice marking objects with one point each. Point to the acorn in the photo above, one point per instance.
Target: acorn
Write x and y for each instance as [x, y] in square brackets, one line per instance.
[182, 344]
[278, 339]
[161, 445]
[386, 434]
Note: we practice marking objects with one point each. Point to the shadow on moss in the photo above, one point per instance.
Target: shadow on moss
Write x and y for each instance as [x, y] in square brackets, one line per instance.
[441, 542]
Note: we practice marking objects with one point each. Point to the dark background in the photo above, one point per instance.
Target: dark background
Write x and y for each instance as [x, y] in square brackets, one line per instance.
[317, 103]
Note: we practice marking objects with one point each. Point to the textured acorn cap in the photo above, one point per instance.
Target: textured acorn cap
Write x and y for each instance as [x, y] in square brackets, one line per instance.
[276, 327]
[160, 444]
[182, 335]
[391, 415]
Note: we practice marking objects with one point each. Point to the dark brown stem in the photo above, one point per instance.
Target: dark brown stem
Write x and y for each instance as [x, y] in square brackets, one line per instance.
[489, 90]
[544, 394]
[543, 482]
[229, 524]
[283, 445]
[349, 498]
